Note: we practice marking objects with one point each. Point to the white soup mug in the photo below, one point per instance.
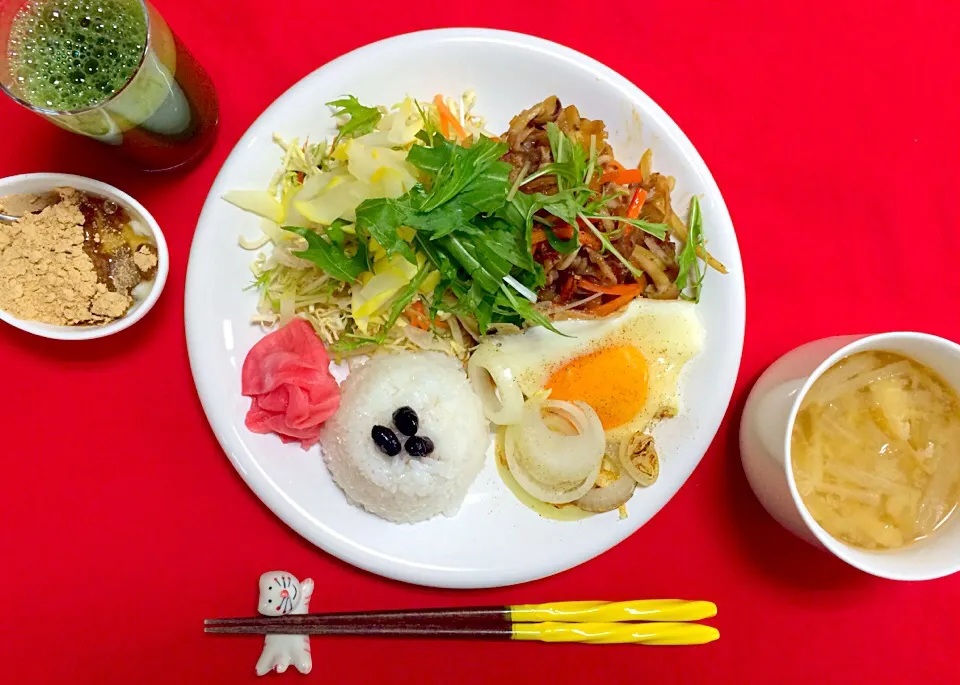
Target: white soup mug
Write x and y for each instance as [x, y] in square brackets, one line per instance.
[765, 432]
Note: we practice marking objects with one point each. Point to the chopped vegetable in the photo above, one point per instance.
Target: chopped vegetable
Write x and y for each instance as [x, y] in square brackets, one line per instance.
[636, 202]
[690, 272]
[658, 231]
[555, 234]
[260, 202]
[447, 119]
[520, 288]
[592, 287]
[331, 257]
[465, 228]
[609, 247]
[417, 314]
[630, 293]
[539, 235]
[622, 176]
[361, 119]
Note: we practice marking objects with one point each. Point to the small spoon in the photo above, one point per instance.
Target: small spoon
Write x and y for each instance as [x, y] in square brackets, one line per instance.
[8, 219]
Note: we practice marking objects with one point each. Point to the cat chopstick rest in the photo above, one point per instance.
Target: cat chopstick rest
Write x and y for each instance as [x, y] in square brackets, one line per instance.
[281, 594]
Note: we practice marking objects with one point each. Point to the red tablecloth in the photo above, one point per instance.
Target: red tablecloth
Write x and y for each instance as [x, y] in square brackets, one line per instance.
[832, 128]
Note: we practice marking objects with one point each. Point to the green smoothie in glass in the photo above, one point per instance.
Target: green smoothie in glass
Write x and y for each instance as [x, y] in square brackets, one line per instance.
[111, 70]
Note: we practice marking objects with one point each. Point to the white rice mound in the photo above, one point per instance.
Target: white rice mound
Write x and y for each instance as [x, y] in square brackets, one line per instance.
[407, 489]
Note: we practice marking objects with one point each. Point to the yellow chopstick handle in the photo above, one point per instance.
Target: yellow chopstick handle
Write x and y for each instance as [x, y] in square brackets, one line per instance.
[617, 633]
[613, 612]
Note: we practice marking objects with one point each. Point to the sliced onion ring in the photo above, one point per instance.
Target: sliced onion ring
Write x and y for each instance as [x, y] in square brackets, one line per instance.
[610, 497]
[552, 457]
[553, 467]
[544, 493]
[496, 386]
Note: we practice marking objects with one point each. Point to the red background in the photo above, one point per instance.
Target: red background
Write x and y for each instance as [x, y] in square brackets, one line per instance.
[832, 129]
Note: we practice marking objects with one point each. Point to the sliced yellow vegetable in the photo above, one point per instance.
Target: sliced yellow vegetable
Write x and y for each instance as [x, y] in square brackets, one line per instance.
[276, 234]
[381, 264]
[340, 152]
[316, 184]
[390, 275]
[392, 183]
[397, 128]
[400, 264]
[430, 282]
[375, 294]
[380, 165]
[260, 202]
[338, 200]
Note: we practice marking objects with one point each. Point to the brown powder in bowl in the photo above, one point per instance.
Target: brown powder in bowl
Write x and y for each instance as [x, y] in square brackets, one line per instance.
[73, 262]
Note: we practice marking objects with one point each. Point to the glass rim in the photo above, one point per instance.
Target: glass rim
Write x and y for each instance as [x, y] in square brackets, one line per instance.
[49, 111]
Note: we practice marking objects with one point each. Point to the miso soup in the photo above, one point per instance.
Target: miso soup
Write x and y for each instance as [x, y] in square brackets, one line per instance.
[876, 450]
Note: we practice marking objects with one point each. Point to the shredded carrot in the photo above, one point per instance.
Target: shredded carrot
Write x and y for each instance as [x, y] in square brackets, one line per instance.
[590, 240]
[418, 316]
[592, 305]
[563, 231]
[617, 166]
[636, 204]
[447, 119]
[590, 286]
[567, 286]
[622, 176]
[587, 238]
[615, 304]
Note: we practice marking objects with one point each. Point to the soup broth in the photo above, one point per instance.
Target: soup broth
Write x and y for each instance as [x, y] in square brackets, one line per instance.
[876, 450]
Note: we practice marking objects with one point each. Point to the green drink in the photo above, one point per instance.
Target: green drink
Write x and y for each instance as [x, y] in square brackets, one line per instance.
[74, 55]
[111, 70]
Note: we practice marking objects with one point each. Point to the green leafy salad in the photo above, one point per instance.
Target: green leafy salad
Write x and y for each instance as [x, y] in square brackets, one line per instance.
[409, 230]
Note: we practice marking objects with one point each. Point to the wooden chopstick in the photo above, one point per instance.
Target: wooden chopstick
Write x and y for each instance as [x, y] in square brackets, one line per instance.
[474, 617]
[664, 633]
[565, 612]
[592, 622]
[268, 626]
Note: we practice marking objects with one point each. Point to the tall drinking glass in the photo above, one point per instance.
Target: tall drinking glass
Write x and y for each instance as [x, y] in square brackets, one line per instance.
[111, 70]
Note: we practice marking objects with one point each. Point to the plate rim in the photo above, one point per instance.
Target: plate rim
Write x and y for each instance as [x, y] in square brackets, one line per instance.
[270, 496]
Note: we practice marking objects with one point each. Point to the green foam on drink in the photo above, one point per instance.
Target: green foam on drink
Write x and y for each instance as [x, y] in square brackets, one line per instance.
[73, 54]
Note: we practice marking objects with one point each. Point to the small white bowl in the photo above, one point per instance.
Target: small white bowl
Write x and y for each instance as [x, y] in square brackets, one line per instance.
[767, 425]
[143, 222]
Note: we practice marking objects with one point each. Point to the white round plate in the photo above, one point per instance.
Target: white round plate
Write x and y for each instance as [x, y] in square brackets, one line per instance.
[494, 540]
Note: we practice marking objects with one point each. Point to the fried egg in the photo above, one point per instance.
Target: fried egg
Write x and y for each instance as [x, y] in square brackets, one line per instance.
[626, 367]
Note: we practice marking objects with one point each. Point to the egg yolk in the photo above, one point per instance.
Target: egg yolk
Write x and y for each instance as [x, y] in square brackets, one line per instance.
[613, 381]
